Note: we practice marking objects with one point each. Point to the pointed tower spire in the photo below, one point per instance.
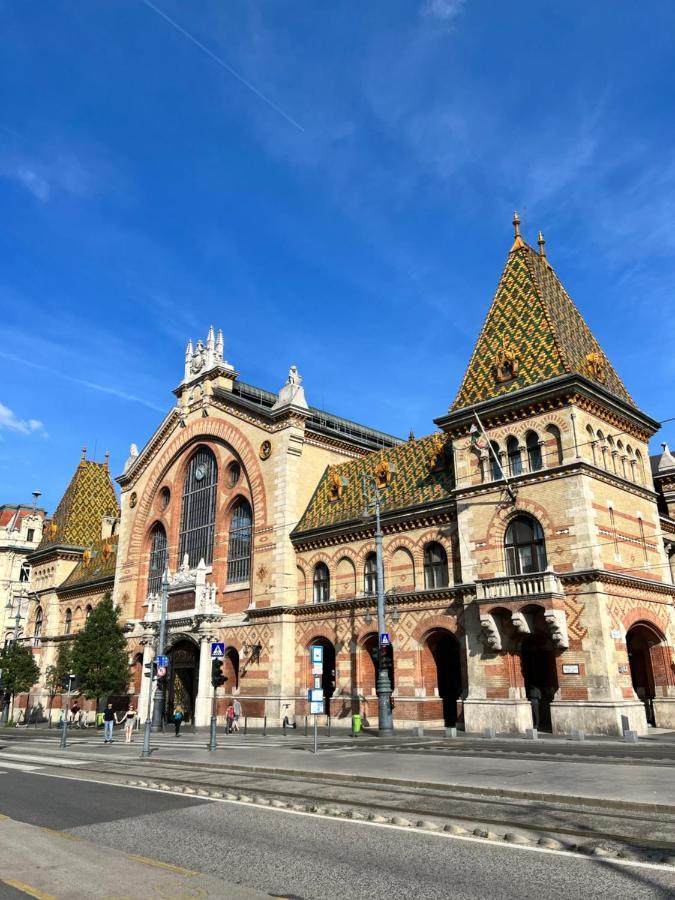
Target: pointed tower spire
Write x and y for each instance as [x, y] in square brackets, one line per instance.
[542, 245]
[518, 241]
[219, 344]
[210, 339]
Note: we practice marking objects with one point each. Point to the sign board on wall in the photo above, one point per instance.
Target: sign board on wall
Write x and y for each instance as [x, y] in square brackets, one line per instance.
[570, 668]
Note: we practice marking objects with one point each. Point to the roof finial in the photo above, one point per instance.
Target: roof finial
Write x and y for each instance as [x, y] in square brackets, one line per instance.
[84, 456]
[542, 245]
[518, 241]
[107, 458]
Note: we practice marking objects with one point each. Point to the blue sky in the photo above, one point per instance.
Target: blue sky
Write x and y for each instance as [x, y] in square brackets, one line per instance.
[335, 189]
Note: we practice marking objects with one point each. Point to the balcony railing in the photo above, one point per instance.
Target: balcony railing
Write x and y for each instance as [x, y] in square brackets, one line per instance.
[516, 587]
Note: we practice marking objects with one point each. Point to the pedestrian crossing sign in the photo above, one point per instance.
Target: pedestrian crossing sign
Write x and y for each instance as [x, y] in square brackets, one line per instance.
[217, 650]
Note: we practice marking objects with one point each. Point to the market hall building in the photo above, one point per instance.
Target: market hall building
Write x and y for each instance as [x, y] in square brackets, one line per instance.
[525, 553]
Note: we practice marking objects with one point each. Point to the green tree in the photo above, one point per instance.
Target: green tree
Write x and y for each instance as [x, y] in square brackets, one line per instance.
[19, 669]
[99, 656]
[55, 674]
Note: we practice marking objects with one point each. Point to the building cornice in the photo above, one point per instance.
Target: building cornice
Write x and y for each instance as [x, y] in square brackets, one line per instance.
[616, 579]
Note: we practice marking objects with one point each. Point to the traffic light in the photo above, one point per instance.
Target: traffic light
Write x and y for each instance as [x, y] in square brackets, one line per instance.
[217, 677]
[150, 669]
[70, 683]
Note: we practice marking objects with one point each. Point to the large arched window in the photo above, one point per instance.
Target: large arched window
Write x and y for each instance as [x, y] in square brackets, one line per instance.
[158, 555]
[239, 550]
[435, 566]
[321, 583]
[370, 574]
[198, 515]
[534, 460]
[68, 626]
[524, 545]
[37, 631]
[515, 459]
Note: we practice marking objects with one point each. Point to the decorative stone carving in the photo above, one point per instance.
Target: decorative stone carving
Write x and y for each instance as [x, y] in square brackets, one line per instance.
[596, 366]
[133, 456]
[520, 623]
[265, 450]
[506, 364]
[205, 356]
[491, 635]
[557, 624]
[184, 581]
[382, 473]
[336, 483]
[292, 393]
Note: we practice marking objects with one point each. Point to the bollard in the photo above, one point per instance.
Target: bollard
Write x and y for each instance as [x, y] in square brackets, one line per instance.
[630, 737]
[451, 732]
[265, 727]
[245, 724]
[305, 726]
[488, 732]
[576, 734]
[531, 734]
[418, 731]
[329, 720]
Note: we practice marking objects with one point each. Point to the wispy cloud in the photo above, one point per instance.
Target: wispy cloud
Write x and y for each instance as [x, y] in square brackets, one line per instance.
[9, 421]
[445, 10]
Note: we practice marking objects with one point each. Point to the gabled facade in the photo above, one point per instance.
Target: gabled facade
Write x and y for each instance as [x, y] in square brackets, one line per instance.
[20, 534]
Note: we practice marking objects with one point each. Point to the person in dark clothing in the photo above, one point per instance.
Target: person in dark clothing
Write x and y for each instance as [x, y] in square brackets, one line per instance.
[535, 700]
[178, 720]
[109, 721]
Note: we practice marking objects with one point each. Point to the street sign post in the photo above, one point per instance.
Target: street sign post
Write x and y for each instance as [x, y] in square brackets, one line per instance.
[217, 650]
[317, 655]
[161, 671]
[162, 661]
[315, 694]
[384, 640]
[315, 709]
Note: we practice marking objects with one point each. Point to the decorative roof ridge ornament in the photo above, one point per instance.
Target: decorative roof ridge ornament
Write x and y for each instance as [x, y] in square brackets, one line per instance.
[292, 393]
[542, 245]
[518, 242]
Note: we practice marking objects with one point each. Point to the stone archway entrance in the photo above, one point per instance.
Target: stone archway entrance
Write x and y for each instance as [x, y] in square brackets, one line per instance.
[183, 681]
[640, 639]
[442, 672]
[328, 679]
[537, 660]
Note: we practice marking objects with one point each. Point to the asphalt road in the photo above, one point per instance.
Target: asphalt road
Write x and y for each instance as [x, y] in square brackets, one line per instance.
[302, 856]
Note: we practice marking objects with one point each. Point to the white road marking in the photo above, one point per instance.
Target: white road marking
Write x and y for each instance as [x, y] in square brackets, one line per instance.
[40, 760]
[19, 766]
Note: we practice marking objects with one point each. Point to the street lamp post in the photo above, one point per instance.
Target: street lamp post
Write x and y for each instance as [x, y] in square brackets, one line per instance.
[385, 722]
[158, 705]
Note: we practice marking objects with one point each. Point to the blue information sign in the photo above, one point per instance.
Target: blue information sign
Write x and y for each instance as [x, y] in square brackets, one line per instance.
[162, 661]
[384, 640]
[217, 650]
[317, 655]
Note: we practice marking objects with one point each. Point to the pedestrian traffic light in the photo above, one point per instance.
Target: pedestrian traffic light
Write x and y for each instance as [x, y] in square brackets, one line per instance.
[217, 677]
[150, 669]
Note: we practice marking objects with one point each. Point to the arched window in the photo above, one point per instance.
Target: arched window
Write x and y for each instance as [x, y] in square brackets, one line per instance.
[524, 545]
[640, 467]
[603, 449]
[87, 612]
[158, 558]
[37, 631]
[370, 574]
[68, 626]
[534, 460]
[592, 442]
[495, 467]
[554, 445]
[630, 468]
[515, 460]
[321, 583]
[435, 566]
[239, 552]
[198, 514]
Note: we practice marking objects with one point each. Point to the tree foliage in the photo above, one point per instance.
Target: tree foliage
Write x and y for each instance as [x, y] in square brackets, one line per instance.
[19, 669]
[62, 667]
[99, 655]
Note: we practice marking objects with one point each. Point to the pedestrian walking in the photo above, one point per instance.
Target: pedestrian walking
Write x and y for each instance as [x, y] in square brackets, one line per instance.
[178, 717]
[75, 713]
[535, 700]
[109, 720]
[229, 718]
[237, 715]
[129, 719]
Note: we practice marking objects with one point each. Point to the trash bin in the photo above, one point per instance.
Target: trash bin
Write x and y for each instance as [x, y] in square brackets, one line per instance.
[356, 723]
[99, 720]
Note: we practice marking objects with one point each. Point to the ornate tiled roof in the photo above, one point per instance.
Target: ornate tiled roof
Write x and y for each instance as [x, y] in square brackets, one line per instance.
[97, 564]
[422, 475]
[77, 521]
[533, 332]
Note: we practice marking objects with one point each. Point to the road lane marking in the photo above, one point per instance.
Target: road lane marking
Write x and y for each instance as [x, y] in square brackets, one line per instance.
[5, 758]
[22, 767]
[158, 864]
[27, 889]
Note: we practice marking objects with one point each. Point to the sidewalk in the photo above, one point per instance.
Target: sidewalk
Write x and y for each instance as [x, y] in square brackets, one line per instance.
[625, 784]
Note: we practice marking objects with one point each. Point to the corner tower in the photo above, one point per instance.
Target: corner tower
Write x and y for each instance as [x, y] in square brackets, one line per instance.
[558, 519]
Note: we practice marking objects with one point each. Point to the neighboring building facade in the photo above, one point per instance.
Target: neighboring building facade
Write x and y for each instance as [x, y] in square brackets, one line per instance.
[20, 534]
[72, 568]
[556, 582]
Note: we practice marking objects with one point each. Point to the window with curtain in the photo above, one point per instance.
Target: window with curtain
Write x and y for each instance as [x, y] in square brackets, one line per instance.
[435, 566]
[239, 547]
[370, 574]
[524, 546]
[515, 459]
[321, 583]
[158, 559]
[198, 514]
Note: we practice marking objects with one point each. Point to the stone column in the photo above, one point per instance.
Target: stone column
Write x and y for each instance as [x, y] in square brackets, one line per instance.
[204, 701]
